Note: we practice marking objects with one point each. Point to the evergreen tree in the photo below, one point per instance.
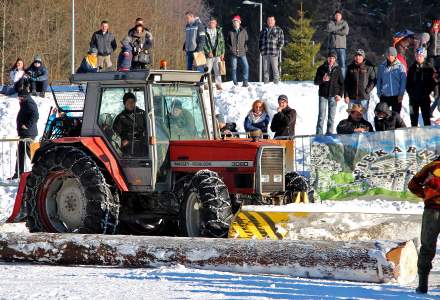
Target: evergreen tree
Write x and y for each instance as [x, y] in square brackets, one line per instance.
[299, 54]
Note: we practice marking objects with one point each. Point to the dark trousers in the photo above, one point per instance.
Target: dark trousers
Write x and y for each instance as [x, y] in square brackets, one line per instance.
[24, 147]
[393, 102]
[39, 86]
[429, 235]
[424, 105]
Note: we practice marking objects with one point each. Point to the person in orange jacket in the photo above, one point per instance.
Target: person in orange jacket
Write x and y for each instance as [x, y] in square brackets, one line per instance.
[426, 184]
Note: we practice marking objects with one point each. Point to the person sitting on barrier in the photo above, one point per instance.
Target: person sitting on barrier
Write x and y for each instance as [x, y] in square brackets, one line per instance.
[89, 63]
[38, 77]
[27, 119]
[130, 126]
[15, 77]
[386, 119]
[257, 118]
[426, 184]
[283, 122]
[355, 123]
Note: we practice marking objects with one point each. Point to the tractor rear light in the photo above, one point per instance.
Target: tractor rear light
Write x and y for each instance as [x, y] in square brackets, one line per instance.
[278, 178]
[265, 178]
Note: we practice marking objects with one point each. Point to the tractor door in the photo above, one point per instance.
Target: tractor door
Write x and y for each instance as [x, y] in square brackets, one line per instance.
[123, 119]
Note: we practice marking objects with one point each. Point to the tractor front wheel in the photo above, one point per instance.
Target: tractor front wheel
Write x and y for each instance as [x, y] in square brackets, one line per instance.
[206, 208]
[67, 192]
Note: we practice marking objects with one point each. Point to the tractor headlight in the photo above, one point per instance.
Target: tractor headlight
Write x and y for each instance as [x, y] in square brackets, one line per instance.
[277, 178]
[265, 178]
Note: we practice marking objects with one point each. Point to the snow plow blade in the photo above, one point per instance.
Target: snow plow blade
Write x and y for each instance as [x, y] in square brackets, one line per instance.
[264, 223]
[376, 262]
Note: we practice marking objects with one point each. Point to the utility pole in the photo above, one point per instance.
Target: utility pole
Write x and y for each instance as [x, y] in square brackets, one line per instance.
[73, 38]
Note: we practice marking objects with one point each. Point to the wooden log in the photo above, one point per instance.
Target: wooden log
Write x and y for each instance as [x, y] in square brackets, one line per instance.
[355, 261]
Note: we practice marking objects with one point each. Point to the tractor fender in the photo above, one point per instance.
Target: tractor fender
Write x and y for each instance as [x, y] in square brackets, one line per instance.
[99, 149]
[18, 198]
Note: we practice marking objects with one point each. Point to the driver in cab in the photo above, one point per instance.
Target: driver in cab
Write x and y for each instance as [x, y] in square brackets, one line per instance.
[181, 121]
[130, 126]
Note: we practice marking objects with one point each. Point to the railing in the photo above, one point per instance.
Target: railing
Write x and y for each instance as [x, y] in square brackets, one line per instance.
[9, 160]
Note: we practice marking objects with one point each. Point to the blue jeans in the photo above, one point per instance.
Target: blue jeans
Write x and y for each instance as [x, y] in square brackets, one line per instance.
[190, 62]
[341, 59]
[8, 90]
[324, 104]
[363, 102]
[244, 65]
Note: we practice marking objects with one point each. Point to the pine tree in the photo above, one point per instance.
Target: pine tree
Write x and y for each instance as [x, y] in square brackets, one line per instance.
[299, 54]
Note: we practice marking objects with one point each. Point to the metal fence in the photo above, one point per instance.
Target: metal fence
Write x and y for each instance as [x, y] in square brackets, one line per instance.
[9, 160]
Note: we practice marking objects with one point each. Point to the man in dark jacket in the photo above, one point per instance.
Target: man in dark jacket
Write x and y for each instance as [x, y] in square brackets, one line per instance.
[238, 47]
[270, 44]
[331, 88]
[215, 50]
[130, 126]
[419, 84]
[386, 119]
[27, 119]
[140, 42]
[283, 122]
[355, 123]
[105, 42]
[360, 80]
[195, 39]
[38, 77]
[338, 30]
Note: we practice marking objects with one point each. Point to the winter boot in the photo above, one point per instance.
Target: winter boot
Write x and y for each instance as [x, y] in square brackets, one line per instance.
[245, 84]
[42, 94]
[423, 284]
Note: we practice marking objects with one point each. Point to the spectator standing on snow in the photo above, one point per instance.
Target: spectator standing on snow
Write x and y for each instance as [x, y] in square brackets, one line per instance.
[337, 40]
[391, 80]
[283, 122]
[238, 47]
[426, 184]
[421, 82]
[38, 77]
[140, 42]
[105, 42]
[257, 118]
[386, 119]
[360, 80]
[215, 50]
[27, 119]
[15, 77]
[89, 64]
[331, 88]
[195, 39]
[270, 44]
[355, 123]
[125, 57]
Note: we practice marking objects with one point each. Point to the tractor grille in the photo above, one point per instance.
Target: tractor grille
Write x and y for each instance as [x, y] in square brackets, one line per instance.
[272, 169]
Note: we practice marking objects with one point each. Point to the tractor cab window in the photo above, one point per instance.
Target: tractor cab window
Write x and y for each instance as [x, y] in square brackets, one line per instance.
[178, 113]
[123, 120]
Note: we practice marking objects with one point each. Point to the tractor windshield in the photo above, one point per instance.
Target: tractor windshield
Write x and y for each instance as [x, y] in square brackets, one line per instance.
[179, 113]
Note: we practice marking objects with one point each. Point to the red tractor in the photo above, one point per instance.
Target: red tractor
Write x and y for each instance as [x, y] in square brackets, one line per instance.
[106, 167]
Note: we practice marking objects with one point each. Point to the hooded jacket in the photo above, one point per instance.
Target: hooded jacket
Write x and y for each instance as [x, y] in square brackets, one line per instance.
[359, 80]
[27, 116]
[420, 81]
[104, 42]
[338, 32]
[348, 125]
[283, 122]
[391, 79]
[195, 36]
[391, 122]
[333, 87]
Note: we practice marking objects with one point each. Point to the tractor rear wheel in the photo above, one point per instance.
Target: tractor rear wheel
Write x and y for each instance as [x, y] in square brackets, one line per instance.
[206, 208]
[296, 183]
[67, 192]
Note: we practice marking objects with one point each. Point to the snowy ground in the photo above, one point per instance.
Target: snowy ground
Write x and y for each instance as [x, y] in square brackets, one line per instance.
[22, 281]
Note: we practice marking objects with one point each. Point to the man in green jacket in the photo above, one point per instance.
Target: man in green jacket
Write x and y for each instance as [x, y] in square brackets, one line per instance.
[215, 50]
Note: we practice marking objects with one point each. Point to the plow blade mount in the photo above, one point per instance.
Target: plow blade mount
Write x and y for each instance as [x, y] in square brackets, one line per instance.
[256, 223]
[356, 261]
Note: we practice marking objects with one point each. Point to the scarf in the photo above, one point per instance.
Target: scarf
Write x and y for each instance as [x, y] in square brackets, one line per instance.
[92, 60]
[256, 118]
